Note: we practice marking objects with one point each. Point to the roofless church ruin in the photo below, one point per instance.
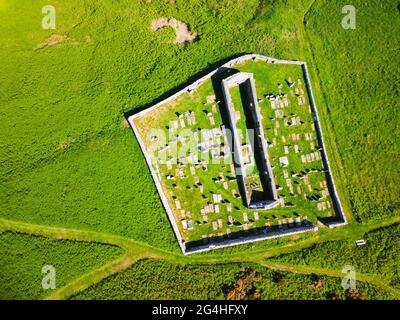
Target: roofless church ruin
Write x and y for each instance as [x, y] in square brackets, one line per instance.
[266, 197]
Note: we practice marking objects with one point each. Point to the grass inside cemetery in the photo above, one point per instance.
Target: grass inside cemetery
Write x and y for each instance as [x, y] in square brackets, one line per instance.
[68, 160]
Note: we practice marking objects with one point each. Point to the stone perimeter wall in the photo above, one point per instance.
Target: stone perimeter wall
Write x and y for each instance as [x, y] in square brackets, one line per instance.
[227, 243]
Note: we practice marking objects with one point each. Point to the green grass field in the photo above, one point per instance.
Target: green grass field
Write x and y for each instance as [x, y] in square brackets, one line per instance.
[23, 256]
[380, 256]
[71, 169]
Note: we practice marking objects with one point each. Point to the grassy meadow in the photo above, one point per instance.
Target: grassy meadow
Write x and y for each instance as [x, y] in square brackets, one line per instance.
[23, 256]
[189, 185]
[380, 256]
[69, 160]
[359, 81]
[61, 104]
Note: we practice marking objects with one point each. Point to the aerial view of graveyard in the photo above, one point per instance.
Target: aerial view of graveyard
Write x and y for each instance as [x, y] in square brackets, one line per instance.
[199, 150]
[233, 165]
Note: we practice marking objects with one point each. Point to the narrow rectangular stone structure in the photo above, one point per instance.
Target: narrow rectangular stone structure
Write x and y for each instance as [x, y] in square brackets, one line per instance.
[268, 198]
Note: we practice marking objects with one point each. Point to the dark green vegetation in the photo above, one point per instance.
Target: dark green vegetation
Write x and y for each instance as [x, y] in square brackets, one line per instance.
[381, 255]
[66, 160]
[23, 256]
[60, 104]
[163, 280]
[253, 178]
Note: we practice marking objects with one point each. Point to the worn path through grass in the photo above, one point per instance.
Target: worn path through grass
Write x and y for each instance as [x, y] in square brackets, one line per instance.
[136, 250]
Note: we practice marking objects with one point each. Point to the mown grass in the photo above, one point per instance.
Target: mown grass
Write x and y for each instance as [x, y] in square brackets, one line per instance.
[23, 256]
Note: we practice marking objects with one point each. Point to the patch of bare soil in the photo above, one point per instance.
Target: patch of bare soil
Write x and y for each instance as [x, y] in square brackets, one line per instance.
[317, 282]
[244, 288]
[125, 124]
[53, 40]
[64, 144]
[182, 30]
